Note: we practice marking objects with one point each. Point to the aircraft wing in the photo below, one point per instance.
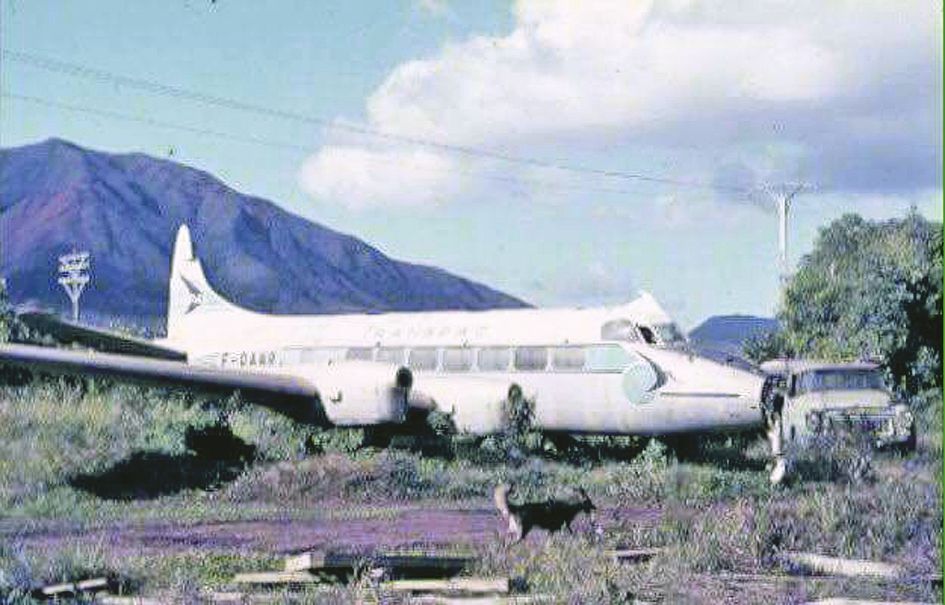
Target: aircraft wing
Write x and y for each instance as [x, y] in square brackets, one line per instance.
[293, 396]
[100, 340]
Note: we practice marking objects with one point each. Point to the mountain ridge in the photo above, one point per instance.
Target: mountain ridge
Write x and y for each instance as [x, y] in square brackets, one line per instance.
[125, 208]
[728, 333]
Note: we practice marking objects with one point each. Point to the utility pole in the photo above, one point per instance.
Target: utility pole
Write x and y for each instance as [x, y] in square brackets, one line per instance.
[783, 195]
[73, 277]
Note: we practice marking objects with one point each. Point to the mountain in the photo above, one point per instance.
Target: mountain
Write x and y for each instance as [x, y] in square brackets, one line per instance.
[125, 209]
[727, 333]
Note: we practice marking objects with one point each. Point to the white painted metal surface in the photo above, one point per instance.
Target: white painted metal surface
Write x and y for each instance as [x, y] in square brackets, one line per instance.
[620, 369]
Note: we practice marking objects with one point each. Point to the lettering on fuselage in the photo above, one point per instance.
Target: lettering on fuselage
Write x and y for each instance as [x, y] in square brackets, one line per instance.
[249, 359]
[380, 333]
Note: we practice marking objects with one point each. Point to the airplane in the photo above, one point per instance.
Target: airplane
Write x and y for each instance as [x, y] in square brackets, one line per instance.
[623, 369]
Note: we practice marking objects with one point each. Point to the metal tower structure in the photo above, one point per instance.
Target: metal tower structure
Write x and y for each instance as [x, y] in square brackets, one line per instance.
[783, 195]
[74, 276]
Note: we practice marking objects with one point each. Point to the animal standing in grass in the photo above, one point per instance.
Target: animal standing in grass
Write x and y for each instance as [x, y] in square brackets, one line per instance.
[551, 515]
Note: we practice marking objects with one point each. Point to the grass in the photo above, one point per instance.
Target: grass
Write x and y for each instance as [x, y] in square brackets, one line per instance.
[716, 513]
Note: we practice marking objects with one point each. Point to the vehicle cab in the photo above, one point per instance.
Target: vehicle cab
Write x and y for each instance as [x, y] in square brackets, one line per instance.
[820, 398]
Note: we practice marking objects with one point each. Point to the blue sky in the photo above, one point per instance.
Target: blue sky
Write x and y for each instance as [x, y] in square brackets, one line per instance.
[846, 96]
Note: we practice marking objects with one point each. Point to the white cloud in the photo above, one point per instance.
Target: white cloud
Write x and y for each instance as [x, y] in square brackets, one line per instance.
[361, 177]
[851, 87]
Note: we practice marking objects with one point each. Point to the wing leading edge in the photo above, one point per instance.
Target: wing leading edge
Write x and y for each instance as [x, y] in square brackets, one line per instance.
[293, 396]
[100, 340]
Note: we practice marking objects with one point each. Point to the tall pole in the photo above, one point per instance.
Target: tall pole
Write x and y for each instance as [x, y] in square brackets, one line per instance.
[784, 195]
[783, 205]
[73, 277]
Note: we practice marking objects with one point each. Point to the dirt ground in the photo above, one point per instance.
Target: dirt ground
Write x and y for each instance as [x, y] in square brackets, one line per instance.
[363, 530]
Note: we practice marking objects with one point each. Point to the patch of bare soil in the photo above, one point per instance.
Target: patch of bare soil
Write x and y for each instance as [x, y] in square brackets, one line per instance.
[381, 528]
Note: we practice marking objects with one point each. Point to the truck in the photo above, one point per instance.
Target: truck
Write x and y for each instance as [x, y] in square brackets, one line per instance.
[817, 398]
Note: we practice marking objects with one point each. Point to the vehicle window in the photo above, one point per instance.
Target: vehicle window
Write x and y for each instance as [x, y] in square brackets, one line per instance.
[393, 355]
[567, 359]
[492, 359]
[531, 359]
[620, 329]
[422, 359]
[834, 380]
[457, 360]
[607, 358]
[360, 353]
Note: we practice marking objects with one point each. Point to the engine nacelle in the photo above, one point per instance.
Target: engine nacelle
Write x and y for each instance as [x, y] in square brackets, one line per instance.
[357, 393]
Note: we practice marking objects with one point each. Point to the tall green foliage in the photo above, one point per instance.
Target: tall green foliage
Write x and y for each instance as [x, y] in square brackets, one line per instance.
[871, 289]
[10, 326]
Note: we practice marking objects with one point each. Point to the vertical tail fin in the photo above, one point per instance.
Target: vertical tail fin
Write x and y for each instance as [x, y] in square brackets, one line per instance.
[189, 292]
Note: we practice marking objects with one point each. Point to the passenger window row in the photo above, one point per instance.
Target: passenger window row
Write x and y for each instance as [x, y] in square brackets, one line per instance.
[592, 358]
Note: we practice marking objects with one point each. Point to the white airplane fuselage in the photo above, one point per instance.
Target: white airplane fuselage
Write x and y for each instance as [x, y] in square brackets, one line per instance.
[619, 370]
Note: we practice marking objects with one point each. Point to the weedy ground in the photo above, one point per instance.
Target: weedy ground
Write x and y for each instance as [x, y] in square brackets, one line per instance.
[87, 468]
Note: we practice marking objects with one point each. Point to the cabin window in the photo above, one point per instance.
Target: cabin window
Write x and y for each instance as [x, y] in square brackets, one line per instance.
[360, 353]
[321, 355]
[457, 360]
[494, 359]
[531, 359]
[394, 355]
[607, 358]
[422, 359]
[567, 359]
[619, 329]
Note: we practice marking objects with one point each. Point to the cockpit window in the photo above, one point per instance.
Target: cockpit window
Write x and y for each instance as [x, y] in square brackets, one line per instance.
[669, 334]
[648, 335]
[620, 329]
[838, 380]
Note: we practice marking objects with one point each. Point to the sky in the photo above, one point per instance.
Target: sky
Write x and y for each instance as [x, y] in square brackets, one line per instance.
[568, 153]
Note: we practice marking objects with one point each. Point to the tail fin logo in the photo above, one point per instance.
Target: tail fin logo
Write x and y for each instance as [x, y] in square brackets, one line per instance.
[196, 295]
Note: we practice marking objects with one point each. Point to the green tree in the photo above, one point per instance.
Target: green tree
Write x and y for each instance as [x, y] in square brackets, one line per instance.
[870, 289]
[10, 327]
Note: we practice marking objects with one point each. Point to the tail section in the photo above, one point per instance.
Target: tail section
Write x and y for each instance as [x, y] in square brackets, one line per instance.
[190, 294]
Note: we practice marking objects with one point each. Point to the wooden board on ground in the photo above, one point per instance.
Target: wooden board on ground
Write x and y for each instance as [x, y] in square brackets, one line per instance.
[843, 601]
[834, 566]
[278, 577]
[91, 585]
[452, 586]
[396, 564]
[633, 555]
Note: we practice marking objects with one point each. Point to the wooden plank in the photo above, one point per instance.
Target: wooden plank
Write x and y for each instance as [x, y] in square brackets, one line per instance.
[843, 601]
[399, 563]
[450, 586]
[634, 555]
[57, 589]
[305, 561]
[835, 566]
[91, 585]
[277, 577]
[489, 600]
[113, 600]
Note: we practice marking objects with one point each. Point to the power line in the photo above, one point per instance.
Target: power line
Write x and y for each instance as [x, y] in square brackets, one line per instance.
[103, 113]
[83, 71]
